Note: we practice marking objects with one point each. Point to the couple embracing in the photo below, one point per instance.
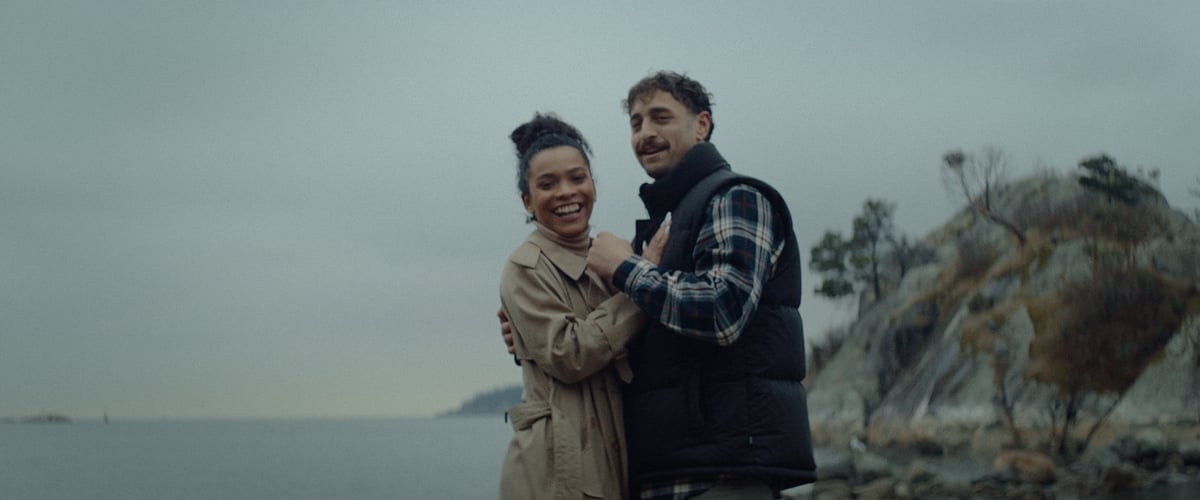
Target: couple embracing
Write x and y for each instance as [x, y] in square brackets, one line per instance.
[670, 367]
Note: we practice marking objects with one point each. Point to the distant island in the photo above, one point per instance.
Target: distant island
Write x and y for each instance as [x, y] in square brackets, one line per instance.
[40, 418]
[492, 402]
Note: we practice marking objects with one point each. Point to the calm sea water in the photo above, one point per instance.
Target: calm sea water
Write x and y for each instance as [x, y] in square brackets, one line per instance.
[450, 458]
[447, 458]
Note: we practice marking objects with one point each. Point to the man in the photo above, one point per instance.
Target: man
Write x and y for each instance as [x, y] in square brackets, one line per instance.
[716, 408]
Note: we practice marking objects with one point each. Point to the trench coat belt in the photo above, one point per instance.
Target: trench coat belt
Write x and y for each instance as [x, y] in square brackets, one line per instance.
[568, 458]
[525, 413]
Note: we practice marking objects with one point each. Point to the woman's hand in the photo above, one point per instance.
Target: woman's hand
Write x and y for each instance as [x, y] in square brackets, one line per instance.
[654, 249]
[506, 331]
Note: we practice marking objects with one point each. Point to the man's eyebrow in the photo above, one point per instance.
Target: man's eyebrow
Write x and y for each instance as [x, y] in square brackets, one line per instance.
[657, 110]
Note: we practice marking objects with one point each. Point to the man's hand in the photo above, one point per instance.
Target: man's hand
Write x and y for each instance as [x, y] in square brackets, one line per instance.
[607, 252]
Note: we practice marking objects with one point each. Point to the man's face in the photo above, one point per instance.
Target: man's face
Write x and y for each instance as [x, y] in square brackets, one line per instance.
[663, 131]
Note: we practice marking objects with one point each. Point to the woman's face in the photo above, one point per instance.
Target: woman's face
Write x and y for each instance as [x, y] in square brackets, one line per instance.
[561, 193]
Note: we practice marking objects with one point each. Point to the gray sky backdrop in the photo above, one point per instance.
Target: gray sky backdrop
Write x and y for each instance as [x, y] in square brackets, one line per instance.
[300, 209]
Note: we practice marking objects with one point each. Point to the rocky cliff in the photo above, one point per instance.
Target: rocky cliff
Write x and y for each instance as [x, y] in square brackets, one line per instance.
[1092, 319]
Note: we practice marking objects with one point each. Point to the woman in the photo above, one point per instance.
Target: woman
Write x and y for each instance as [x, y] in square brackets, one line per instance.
[569, 330]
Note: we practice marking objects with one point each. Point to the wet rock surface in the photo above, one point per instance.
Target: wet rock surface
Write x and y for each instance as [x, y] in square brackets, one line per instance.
[1133, 465]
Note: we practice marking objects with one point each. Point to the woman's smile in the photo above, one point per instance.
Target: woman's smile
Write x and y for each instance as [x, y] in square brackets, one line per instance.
[571, 209]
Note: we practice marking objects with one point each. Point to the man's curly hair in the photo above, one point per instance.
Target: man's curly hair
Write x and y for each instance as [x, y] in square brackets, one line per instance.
[687, 91]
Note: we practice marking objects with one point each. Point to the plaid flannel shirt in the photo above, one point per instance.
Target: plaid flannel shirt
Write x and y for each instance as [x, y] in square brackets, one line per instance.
[681, 489]
[736, 250]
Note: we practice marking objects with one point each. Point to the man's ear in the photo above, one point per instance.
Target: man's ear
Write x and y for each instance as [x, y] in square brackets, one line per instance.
[703, 125]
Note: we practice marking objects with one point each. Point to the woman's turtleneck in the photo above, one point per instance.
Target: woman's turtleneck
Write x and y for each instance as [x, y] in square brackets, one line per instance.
[577, 245]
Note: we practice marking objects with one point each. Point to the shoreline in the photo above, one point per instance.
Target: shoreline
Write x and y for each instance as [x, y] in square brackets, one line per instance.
[961, 461]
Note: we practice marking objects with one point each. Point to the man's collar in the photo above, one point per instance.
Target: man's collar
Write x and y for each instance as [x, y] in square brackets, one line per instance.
[663, 194]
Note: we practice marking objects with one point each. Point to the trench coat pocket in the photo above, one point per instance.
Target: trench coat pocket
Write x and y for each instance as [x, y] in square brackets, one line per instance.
[524, 414]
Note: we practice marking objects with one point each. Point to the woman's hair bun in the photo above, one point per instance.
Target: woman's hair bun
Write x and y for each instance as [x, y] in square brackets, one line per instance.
[543, 124]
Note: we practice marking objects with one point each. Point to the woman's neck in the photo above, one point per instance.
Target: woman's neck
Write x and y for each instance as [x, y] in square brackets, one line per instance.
[576, 244]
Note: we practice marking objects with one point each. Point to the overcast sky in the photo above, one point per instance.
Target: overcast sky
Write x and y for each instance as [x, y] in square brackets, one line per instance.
[300, 209]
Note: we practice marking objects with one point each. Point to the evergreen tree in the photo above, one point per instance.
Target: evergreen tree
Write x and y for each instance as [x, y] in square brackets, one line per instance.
[842, 263]
[828, 259]
[872, 228]
[1104, 175]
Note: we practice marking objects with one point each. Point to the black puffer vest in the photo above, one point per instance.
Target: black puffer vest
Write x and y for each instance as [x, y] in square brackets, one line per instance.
[698, 409]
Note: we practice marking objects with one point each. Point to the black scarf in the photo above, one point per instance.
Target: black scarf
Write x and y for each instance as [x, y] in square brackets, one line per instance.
[661, 196]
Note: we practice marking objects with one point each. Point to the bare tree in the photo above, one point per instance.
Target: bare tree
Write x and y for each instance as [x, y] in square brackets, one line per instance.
[975, 177]
[1005, 400]
[905, 255]
[1096, 339]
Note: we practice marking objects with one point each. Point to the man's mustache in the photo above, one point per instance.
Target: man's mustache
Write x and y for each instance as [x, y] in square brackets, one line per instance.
[650, 146]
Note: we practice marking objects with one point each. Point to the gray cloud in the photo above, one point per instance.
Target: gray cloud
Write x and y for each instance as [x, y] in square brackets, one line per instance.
[281, 209]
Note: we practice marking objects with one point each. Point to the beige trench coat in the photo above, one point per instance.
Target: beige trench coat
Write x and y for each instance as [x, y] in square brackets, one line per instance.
[570, 334]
